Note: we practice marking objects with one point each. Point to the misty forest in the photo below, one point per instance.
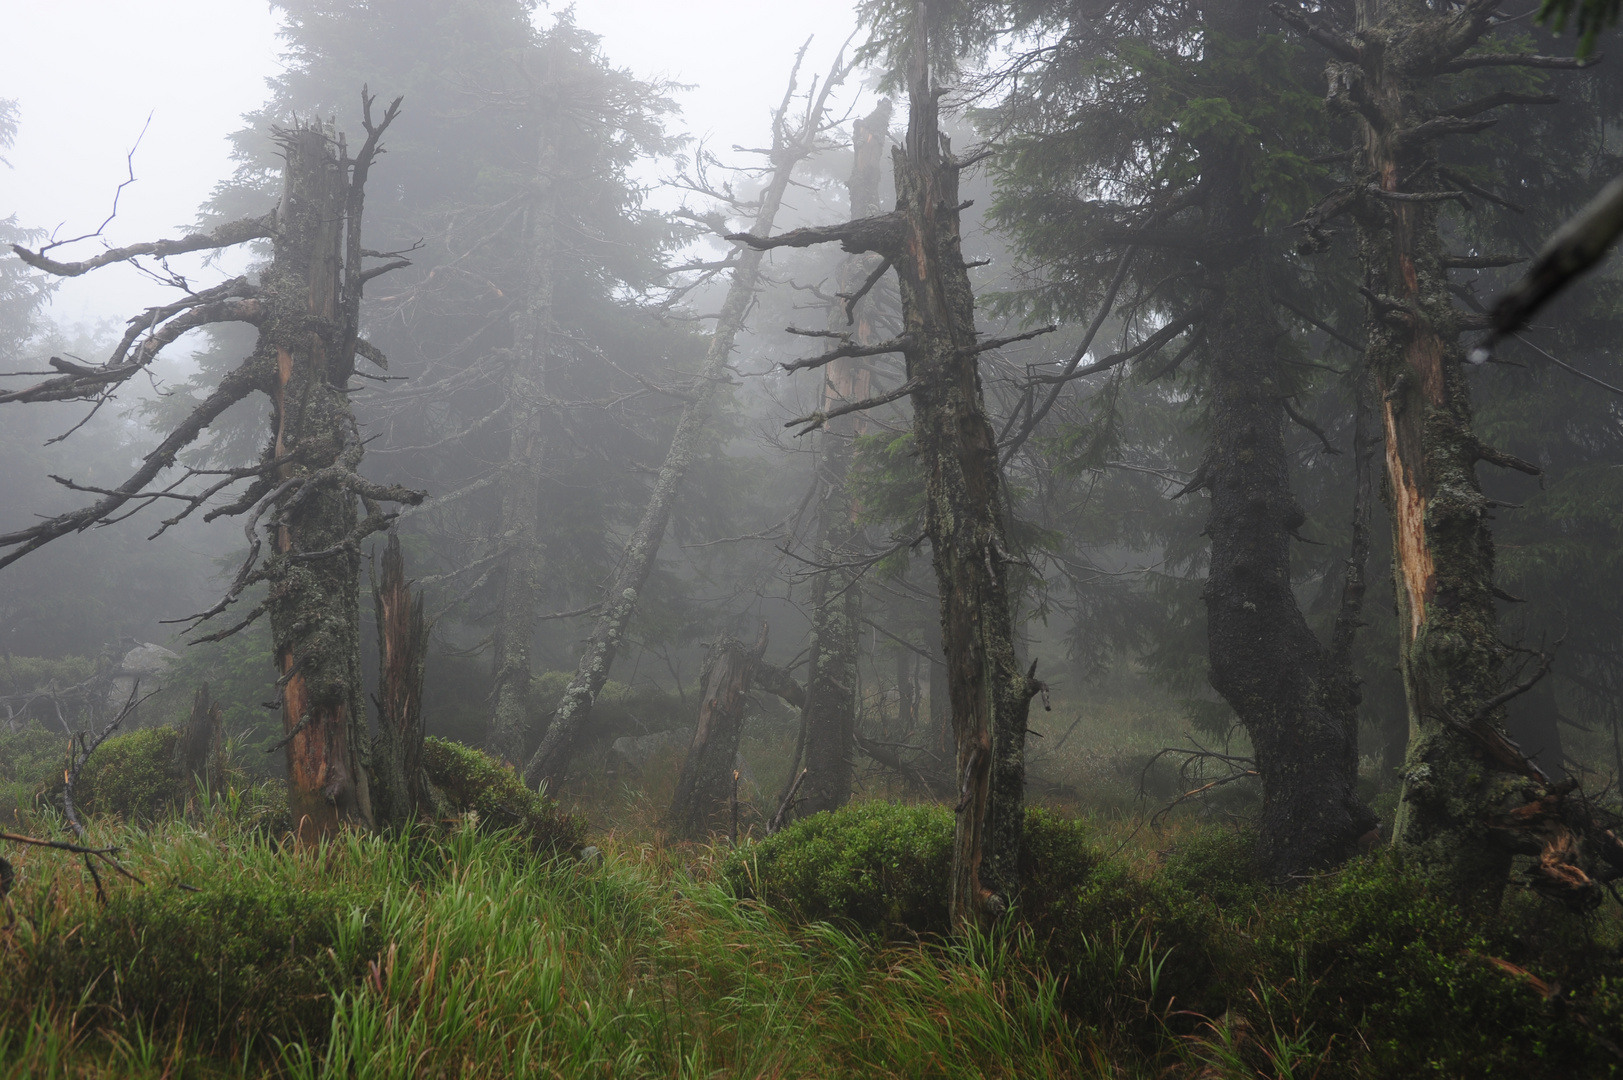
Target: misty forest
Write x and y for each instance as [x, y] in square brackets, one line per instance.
[1091, 547]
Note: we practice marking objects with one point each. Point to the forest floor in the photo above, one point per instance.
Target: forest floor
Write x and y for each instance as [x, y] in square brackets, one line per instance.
[457, 952]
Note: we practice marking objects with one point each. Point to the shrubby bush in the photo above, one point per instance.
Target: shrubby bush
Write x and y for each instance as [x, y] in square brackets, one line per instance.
[471, 780]
[1362, 972]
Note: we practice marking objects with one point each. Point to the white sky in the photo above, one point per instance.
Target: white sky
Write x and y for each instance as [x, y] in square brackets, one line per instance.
[89, 72]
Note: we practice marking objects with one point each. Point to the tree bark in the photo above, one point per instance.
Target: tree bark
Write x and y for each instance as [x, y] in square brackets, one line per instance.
[1443, 554]
[557, 747]
[705, 786]
[831, 685]
[200, 752]
[1266, 662]
[314, 602]
[964, 502]
[400, 787]
[519, 532]
[1288, 690]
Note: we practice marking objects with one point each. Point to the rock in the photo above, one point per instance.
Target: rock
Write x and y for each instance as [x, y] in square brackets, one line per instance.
[636, 751]
[146, 662]
[591, 855]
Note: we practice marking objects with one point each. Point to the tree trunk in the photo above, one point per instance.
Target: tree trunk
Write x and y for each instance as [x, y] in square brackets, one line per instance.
[1265, 660]
[831, 685]
[400, 789]
[964, 516]
[1442, 547]
[200, 753]
[964, 505]
[557, 747]
[706, 786]
[1285, 686]
[314, 602]
[520, 529]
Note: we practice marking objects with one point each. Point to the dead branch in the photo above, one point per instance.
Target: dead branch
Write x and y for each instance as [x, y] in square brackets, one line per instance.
[228, 235]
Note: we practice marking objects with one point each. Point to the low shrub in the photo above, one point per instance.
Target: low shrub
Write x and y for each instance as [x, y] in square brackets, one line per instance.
[876, 867]
[133, 776]
[884, 867]
[227, 961]
[471, 780]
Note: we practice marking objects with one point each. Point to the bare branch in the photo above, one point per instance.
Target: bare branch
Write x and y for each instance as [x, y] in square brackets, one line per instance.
[228, 235]
[821, 417]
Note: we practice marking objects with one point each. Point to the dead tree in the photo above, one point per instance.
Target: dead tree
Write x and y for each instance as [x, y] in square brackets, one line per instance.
[401, 788]
[829, 717]
[965, 511]
[1462, 775]
[791, 143]
[300, 497]
[707, 785]
[200, 750]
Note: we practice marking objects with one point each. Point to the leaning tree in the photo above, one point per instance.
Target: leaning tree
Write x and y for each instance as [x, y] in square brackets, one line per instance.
[303, 500]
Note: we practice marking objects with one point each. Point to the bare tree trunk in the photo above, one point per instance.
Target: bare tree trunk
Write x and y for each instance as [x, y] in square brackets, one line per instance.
[307, 307]
[315, 597]
[400, 788]
[519, 533]
[831, 686]
[557, 747]
[705, 787]
[964, 514]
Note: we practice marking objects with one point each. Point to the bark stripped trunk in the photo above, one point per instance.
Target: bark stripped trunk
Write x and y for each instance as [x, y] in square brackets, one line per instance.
[557, 747]
[964, 515]
[400, 787]
[1443, 555]
[831, 685]
[520, 529]
[705, 786]
[314, 602]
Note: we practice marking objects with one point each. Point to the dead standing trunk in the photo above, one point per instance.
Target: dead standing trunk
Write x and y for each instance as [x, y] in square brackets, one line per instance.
[200, 751]
[400, 789]
[1463, 780]
[964, 515]
[307, 307]
[557, 747]
[519, 533]
[314, 602]
[705, 786]
[831, 686]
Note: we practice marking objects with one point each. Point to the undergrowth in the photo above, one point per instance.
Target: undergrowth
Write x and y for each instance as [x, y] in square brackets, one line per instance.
[469, 950]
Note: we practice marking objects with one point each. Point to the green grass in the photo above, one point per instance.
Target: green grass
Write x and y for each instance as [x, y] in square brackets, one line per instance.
[463, 954]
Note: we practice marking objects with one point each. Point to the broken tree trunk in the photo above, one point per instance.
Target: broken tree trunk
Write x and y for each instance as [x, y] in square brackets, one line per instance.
[519, 533]
[200, 751]
[964, 516]
[831, 685]
[706, 786]
[400, 789]
[306, 304]
[314, 603]
[557, 747]
[1466, 787]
